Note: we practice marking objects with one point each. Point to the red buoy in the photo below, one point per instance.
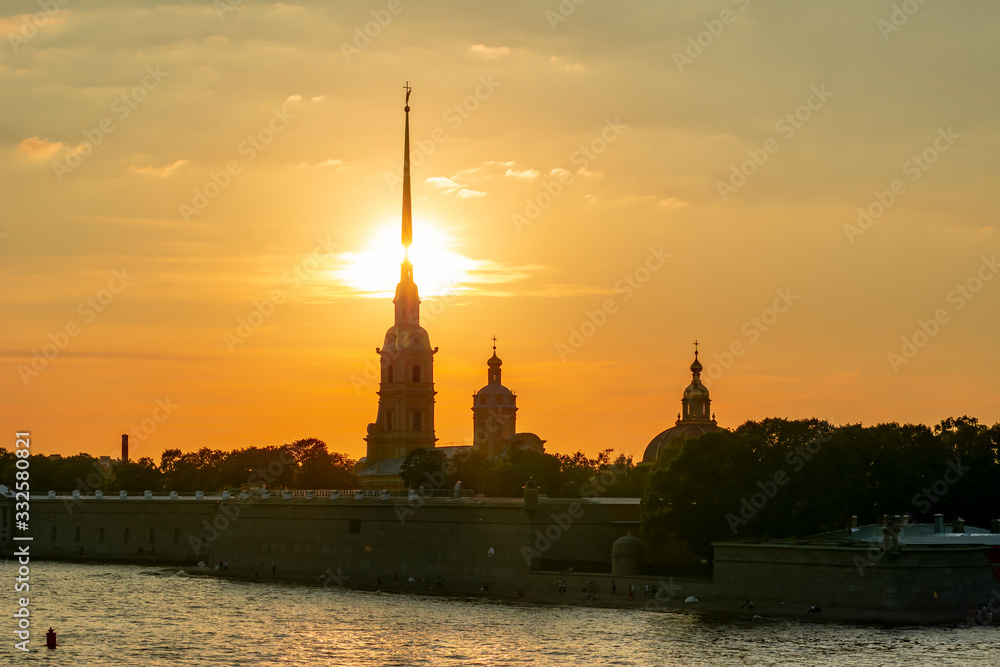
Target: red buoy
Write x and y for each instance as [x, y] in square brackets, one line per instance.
[50, 638]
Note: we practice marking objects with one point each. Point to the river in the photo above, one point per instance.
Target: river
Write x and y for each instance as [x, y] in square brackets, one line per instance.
[130, 615]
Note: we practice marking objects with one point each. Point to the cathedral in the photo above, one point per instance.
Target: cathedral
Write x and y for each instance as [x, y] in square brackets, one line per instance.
[695, 418]
[405, 417]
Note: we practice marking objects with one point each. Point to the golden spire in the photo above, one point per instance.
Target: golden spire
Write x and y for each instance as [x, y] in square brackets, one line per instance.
[407, 213]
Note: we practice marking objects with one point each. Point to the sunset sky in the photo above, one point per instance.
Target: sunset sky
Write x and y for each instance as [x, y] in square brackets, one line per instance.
[597, 184]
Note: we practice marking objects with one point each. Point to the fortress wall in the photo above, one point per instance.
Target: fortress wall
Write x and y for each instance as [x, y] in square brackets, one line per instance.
[857, 577]
[353, 540]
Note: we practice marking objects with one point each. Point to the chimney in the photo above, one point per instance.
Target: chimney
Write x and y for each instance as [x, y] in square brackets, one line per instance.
[958, 525]
[853, 523]
[939, 523]
[995, 526]
[124, 447]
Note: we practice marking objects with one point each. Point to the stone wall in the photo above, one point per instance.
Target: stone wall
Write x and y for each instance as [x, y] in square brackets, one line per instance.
[860, 577]
[472, 541]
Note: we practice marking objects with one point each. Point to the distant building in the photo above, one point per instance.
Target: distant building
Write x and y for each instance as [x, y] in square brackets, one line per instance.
[405, 418]
[696, 418]
[494, 410]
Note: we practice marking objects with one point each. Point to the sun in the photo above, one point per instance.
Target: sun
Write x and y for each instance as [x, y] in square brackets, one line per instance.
[437, 268]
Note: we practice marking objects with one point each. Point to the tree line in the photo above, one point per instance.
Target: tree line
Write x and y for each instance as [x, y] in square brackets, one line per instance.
[557, 475]
[782, 478]
[303, 464]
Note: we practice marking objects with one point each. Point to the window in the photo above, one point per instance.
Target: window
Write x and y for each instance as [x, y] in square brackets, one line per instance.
[125, 537]
[152, 534]
[416, 373]
[76, 534]
[177, 535]
[100, 534]
[354, 526]
[417, 425]
[387, 420]
[54, 533]
[388, 374]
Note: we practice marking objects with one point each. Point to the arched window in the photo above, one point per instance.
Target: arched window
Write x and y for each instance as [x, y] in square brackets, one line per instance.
[177, 535]
[152, 534]
[417, 419]
[100, 535]
[76, 534]
[125, 537]
[416, 373]
[387, 420]
[388, 374]
[54, 533]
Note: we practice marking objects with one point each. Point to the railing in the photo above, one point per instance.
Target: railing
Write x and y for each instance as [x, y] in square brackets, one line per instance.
[261, 494]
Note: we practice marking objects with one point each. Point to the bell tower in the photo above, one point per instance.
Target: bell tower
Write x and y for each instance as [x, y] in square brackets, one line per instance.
[405, 419]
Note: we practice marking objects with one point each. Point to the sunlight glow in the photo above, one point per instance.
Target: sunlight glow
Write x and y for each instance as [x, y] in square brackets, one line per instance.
[437, 269]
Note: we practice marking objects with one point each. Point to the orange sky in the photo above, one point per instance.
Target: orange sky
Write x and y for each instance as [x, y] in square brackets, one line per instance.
[671, 171]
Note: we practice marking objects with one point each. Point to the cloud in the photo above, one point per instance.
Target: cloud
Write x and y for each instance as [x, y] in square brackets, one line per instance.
[443, 182]
[566, 64]
[450, 186]
[293, 98]
[39, 149]
[489, 52]
[161, 172]
[524, 173]
[671, 203]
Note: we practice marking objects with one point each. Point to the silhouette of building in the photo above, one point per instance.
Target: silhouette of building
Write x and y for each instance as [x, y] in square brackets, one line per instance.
[494, 410]
[696, 418]
[405, 418]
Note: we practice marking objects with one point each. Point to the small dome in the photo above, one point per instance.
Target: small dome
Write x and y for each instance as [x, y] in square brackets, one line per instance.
[495, 390]
[695, 389]
[670, 439]
[628, 546]
[696, 365]
[494, 361]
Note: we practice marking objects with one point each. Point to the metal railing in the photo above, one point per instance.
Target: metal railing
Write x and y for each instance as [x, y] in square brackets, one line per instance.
[260, 494]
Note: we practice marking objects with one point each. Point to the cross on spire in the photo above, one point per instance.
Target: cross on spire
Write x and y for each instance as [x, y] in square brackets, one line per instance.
[696, 347]
[407, 89]
[494, 343]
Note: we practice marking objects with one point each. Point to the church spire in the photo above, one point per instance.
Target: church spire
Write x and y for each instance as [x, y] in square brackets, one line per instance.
[407, 299]
[407, 238]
